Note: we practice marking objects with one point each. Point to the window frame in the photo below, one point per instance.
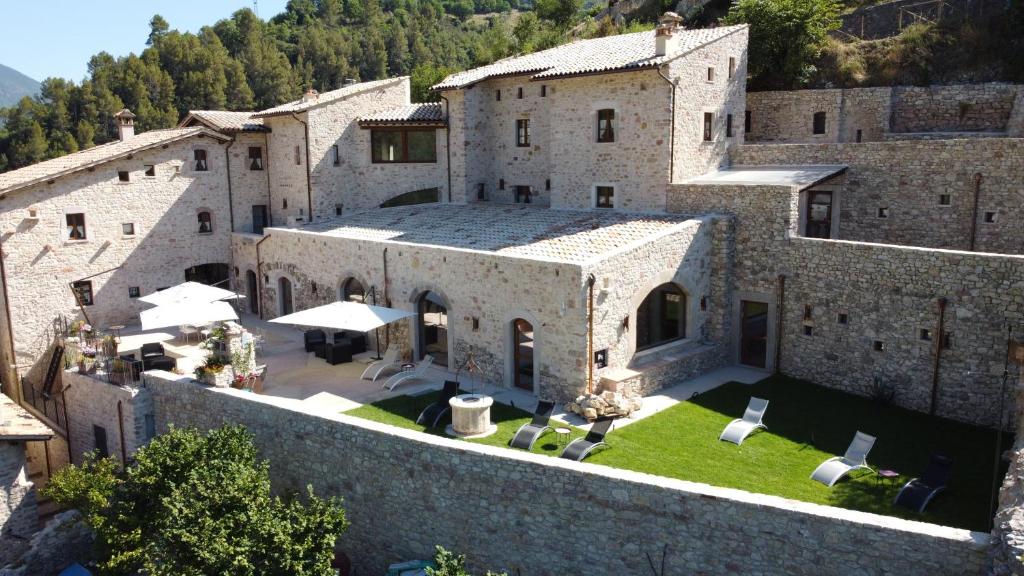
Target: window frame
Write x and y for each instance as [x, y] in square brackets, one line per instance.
[823, 117]
[404, 149]
[708, 127]
[134, 292]
[200, 160]
[256, 160]
[335, 155]
[128, 234]
[598, 197]
[728, 126]
[681, 321]
[732, 66]
[149, 170]
[522, 133]
[710, 78]
[124, 176]
[81, 288]
[208, 222]
[602, 137]
[69, 227]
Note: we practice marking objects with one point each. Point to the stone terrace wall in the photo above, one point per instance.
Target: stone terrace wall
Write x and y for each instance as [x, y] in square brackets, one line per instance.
[908, 179]
[406, 491]
[961, 108]
[1007, 549]
[92, 402]
[18, 516]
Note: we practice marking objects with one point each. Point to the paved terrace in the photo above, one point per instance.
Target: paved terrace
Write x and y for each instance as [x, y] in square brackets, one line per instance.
[568, 236]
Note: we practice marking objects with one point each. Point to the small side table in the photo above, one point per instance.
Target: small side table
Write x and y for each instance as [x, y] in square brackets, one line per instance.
[891, 476]
[116, 329]
[408, 367]
[562, 436]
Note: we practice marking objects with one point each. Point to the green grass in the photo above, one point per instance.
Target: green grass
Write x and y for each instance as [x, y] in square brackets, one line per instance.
[807, 424]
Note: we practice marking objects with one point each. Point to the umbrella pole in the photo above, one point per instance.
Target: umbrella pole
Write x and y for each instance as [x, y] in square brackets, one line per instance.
[376, 331]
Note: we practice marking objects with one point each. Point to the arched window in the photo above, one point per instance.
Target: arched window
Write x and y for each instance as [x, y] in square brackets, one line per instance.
[205, 223]
[661, 317]
[352, 290]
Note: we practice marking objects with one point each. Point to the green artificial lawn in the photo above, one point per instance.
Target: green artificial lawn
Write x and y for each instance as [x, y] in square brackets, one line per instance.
[807, 424]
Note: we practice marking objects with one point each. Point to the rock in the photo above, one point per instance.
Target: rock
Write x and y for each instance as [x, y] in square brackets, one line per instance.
[589, 413]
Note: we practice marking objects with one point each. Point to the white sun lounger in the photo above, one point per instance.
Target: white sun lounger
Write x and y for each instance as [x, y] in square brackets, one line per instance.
[389, 361]
[738, 430]
[856, 457]
[418, 371]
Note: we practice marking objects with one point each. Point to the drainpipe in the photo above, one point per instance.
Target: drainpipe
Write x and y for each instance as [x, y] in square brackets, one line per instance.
[120, 427]
[227, 166]
[14, 391]
[590, 333]
[974, 211]
[778, 323]
[309, 176]
[938, 355]
[270, 197]
[259, 276]
[671, 136]
[448, 144]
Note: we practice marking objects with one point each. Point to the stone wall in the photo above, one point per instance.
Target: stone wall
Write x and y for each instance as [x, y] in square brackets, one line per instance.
[286, 160]
[1007, 551]
[406, 491]
[962, 108]
[116, 409]
[64, 540]
[19, 518]
[248, 187]
[909, 178]
[40, 263]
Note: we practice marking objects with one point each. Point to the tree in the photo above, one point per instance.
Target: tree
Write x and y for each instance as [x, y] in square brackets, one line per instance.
[158, 28]
[194, 504]
[561, 12]
[786, 36]
[422, 78]
[450, 564]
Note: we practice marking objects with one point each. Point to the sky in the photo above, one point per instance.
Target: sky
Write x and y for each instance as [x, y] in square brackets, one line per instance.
[43, 38]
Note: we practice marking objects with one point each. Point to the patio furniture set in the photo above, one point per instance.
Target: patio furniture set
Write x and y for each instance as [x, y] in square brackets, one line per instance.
[915, 494]
[343, 346]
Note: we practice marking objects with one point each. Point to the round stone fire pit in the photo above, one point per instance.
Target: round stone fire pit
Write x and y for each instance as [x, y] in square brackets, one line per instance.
[471, 416]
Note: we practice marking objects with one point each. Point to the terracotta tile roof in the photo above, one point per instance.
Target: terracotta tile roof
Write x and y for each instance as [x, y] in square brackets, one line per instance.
[50, 169]
[224, 121]
[326, 98]
[572, 236]
[17, 424]
[608, 54]
[428, 113]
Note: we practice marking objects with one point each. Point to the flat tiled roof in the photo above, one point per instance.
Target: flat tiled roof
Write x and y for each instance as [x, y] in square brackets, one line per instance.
[800, 176]
[226, 121]
[608, 54]
[572, 236]
[426, 113]
[50, 169]
[325, 98]
[16, 424]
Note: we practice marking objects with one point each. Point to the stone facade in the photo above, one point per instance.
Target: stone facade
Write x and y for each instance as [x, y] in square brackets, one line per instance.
[18, 516]
[121, 412]
[910, 179]
[873, 114]
[248, 187]
[381, 469]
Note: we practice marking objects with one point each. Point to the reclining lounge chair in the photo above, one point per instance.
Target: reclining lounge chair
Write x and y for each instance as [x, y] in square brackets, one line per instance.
[532, 431]
[917, 493]
[738, 430]
[433, 414]
[418, 371]
[388, 362]
[580, 448]
[830, 471]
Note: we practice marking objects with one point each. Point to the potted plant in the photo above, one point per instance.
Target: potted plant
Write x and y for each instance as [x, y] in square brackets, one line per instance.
[214, 371]
[82, 369]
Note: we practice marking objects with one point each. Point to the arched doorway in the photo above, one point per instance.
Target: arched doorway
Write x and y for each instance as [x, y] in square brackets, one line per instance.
[252, 292]
[432, 327]
[213, 274]
[523, 355]
[352, 290]
[284, 296]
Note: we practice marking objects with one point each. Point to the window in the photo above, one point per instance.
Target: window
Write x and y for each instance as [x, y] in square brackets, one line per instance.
[522, 133]
[83, 292]
[843, 318]
[661, 318]
[543, 90]
[547, 184]
[990, 217]
[860, 135]
[746, 122]
[728, 125]
[335, 155]
[497, 95]
[808, 330]
[411, 145]
[883, 212]
[75, 226]
[606, 125]
[284, 203]
[711, 74]
[133, 292]
[352, 291]
[878, 346]
[523, 194]
[150, 170]
[709, 119]
[925, 334]
[947, 340]
[501, 184]
[808, 311]
[298, 155]
[519, 93]
[255, 158]
[819, 122]
[200, 160]
[99, 437]
[123, 176]
[128, 229]
[604, 197]
[338, 209]
[945, 200]
[205, 223]
[732, 66]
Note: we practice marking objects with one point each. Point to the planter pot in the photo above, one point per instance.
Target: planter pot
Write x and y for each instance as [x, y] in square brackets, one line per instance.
[220, 379]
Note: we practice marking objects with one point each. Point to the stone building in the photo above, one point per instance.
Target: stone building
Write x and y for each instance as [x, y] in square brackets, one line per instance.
[19, 515]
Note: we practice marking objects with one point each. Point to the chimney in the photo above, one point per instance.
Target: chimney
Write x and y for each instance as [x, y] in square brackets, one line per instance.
[311, 95]
[125, 124]
[666, 35]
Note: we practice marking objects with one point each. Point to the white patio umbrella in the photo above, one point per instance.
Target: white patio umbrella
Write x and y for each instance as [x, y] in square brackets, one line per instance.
[188, 292]
[186, 313]
[344, 316]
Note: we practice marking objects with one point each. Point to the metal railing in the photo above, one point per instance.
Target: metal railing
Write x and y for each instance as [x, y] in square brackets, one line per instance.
[49, 405]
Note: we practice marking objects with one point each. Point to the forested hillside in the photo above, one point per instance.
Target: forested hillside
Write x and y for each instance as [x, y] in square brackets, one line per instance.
[14, 86]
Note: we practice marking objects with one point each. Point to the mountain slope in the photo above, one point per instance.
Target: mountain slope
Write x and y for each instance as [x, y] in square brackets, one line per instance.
[14, 85]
